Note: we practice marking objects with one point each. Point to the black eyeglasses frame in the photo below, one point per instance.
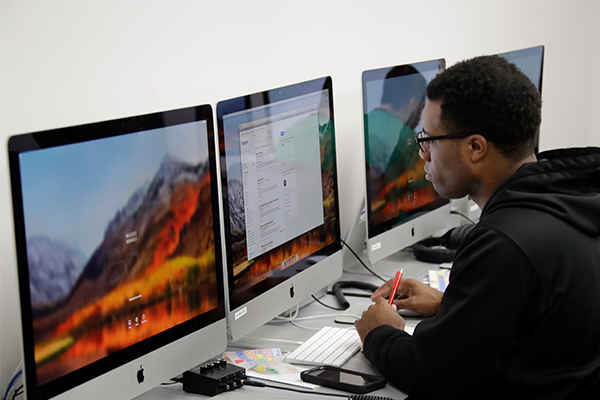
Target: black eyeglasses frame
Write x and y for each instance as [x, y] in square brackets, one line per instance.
[421, 139]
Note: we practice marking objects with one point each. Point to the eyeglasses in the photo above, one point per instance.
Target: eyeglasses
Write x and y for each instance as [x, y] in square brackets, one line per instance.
[423, 139]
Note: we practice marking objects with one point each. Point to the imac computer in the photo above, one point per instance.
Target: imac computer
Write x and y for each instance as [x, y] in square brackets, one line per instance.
[119, 256]
[280, 200]
[401, 205]
[531, 62]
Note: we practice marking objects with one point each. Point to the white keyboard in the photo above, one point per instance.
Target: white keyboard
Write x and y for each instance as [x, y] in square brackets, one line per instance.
[329, 346]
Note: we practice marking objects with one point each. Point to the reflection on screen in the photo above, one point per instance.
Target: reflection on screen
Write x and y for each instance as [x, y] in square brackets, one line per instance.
[281, 201]
[394, 99]
[120, 242]
[270, 176]
[530, 61]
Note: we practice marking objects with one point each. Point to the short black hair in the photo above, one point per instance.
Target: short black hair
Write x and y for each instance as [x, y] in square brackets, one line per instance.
[490, 96]
[401, 84]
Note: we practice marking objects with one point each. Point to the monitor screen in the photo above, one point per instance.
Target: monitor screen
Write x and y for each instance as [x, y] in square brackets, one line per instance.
[531, 62]
[396, 189]
[119, 255]
[280, 199]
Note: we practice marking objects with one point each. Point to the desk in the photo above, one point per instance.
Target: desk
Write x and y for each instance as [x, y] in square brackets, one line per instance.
[388, 267]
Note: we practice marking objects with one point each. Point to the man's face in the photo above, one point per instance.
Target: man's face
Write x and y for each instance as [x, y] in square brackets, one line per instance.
[446, 164]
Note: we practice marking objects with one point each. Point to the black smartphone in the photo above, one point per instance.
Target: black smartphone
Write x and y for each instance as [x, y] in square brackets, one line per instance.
[343, 379]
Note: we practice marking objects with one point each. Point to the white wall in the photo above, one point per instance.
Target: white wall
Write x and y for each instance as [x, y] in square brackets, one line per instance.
[71, 62]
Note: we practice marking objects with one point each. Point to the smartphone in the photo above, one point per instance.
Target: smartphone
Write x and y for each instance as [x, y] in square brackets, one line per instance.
[343, 379]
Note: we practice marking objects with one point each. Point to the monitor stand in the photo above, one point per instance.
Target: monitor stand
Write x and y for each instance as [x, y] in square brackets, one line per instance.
[387, 267]
[356, 239]
[269, 335]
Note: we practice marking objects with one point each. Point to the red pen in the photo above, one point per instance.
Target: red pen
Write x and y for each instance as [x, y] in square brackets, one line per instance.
[397, 280]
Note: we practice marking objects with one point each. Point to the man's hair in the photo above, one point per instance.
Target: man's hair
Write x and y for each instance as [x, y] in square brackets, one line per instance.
[401, 84]
[489, 96]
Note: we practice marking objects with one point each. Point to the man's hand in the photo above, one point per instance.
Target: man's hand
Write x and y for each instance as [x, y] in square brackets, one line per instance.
[380, 313]
[415, 296]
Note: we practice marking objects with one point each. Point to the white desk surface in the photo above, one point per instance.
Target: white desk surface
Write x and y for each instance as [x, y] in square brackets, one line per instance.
[388, 267]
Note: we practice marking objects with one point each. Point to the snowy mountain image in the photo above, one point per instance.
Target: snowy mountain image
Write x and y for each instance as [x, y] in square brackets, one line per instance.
[236, 207]
[150, 253]
[54, 268]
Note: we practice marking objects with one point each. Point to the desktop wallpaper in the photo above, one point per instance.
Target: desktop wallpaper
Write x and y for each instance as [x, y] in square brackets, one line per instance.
[247, 273]
[120, 242]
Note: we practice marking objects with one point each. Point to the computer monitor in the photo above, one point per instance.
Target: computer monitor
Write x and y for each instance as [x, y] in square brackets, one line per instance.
[119, 256]
[531, 62]
[401, 205]
[280, 200]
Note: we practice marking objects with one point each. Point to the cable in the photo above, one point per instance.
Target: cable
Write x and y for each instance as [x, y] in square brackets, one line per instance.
[304, 327]
[293, 321]
[12, 382]
[314, 317]
[464, 216]
[363, 264]
[292, 317]
[248, 382]
[18, 392]
[262, 384]
[326, 305]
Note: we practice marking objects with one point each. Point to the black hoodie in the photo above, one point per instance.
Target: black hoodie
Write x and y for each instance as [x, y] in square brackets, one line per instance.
[520, 318]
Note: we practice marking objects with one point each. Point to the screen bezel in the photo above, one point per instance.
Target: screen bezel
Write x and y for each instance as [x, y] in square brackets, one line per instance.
[82, 133]
[380, 74]
[515, 56]
[245, 103]
[536, 51]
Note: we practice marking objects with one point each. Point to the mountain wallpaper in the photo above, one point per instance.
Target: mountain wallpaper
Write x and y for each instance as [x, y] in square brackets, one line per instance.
[247, 273]
[154, 268]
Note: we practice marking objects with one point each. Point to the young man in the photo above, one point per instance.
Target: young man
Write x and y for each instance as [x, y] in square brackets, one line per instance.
[520, 318]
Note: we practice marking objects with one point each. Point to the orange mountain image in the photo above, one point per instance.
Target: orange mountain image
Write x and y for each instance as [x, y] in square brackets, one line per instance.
[133, 289]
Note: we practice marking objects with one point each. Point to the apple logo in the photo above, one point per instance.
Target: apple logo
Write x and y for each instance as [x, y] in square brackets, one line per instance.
[140, 375]
[292, 291]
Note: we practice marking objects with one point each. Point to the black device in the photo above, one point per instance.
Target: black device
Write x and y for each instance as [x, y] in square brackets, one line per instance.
[441, 249]
[336, 289]
[213, 378]
[343, 379]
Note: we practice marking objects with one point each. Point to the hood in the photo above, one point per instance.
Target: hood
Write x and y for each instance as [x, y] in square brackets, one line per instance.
[563, 183]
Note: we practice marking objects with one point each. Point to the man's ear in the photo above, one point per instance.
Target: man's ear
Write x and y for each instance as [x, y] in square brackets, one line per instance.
[478, 147]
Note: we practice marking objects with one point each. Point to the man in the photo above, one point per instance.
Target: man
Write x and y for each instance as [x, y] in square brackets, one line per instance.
[390, 126]
[520, 318]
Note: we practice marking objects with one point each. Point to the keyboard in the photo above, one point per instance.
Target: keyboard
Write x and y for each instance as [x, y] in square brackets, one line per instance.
[329, 346]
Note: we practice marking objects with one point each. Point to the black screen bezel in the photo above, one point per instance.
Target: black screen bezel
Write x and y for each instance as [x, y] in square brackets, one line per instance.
[514, 56]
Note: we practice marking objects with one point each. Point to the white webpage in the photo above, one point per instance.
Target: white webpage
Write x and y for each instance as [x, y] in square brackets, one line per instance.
[281, 178]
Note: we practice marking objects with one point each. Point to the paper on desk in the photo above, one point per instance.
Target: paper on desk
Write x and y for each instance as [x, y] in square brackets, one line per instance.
[267, 364]
[262, 360]
[439, 279]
